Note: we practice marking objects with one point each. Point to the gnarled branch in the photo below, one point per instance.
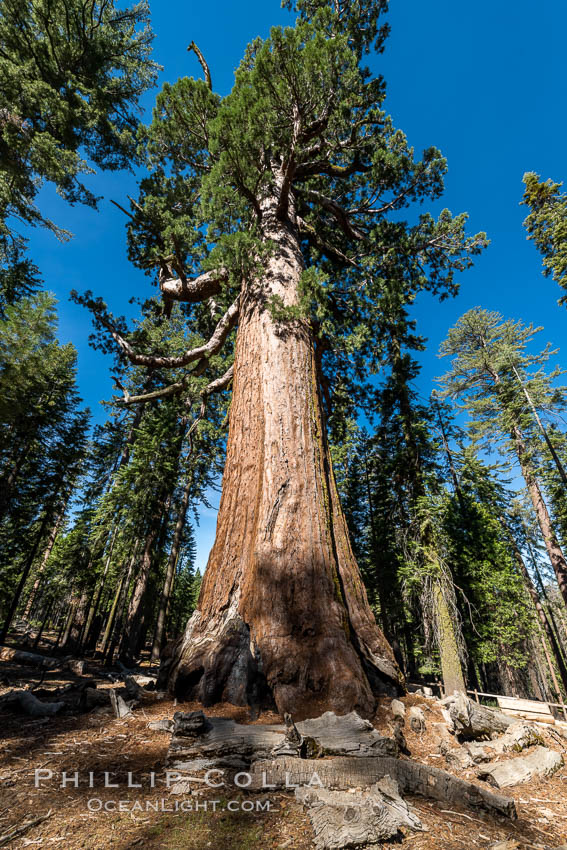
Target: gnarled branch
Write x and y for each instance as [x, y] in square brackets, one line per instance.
[202, 352]
[195, 290]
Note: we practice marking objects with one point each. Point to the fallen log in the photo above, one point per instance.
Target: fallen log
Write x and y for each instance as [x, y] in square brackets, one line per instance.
[27, 703]
[347, 735]
[343, 773]
[30, 659]
[519, 737]
[472, 721]
[341, 819]
[540, 763]
[197, 736]
[44, 662]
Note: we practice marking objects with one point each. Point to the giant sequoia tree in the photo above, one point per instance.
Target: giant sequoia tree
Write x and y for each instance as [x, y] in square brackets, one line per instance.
[273, 215]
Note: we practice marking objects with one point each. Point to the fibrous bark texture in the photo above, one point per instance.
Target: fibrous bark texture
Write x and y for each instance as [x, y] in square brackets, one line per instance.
[283, 616]
[411, 777]
[219, 738]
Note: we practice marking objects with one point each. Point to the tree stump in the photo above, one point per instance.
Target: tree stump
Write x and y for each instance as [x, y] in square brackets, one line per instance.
[341, 819]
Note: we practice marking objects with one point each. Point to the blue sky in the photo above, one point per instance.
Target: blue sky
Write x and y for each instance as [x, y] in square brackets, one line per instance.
[484, 82]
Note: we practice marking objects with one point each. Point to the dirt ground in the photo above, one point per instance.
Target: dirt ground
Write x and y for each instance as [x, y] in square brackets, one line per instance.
[96, 743]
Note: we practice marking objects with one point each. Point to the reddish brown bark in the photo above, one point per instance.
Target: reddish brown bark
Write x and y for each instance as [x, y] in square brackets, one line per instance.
[554, 550]
[283, 614]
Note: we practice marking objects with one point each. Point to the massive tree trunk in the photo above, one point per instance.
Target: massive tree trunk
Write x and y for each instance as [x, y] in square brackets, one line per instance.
[283, 615]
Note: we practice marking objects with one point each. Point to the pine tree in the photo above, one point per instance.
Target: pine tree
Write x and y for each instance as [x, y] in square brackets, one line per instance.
[488, 356]
[43, 439]
[546, 225]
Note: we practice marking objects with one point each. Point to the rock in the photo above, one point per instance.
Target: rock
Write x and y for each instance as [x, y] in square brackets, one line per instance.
[342, 819]
[77, 667]
[539, 763]
[398, 709]
[506, 845]
[416, 719]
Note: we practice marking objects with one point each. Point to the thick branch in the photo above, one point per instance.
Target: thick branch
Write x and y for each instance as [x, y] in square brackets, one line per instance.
[178, 387]
[210, 348]
[338, 213]
[220, 383]
[309, 169]
[320, 244]
[195, 290]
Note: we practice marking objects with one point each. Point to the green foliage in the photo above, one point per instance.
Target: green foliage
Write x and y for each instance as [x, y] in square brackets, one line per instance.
[490, 368]
[546, 225]
[42, 428]
[72, 74]
[497, 613]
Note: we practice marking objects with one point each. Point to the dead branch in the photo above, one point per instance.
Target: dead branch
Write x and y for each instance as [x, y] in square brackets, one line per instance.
[193, 47]
[8, 837]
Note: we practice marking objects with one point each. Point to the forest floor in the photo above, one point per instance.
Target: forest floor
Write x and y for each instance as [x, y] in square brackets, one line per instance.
[98, 743]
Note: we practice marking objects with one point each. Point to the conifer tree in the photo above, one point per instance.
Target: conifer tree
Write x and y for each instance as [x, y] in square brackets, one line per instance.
[488, 355]
[546, 225]
[278, 210]
[72, 74]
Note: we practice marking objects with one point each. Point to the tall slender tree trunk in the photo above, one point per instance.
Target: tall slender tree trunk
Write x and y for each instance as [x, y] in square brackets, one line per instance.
[283, 615]
[134, 620]
[95, 601]
[23, 578]
[541, 615]
[43, 623]
[442, 589]
[552, 546]
[116, 629]
[47, 552]
[74, 634]
[170, 570]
